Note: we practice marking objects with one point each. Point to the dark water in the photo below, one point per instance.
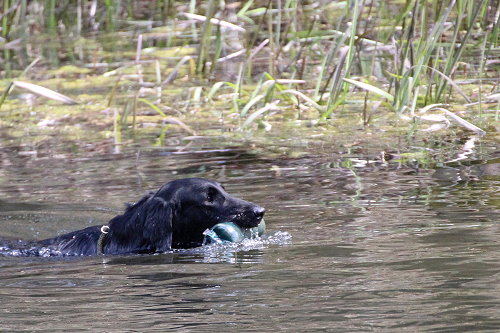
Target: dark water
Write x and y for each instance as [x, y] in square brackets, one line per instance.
[370, 247]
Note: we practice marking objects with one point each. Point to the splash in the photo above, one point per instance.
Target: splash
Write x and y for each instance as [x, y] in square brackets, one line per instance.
[44, 252]
[249, 250]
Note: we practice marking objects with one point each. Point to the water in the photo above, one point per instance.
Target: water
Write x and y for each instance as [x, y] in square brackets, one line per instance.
[370, 247]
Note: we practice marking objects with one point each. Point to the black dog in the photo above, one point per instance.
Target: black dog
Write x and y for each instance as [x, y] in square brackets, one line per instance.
[174, 217]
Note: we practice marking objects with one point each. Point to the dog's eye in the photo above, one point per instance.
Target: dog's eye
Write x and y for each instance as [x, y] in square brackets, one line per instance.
[211, 194]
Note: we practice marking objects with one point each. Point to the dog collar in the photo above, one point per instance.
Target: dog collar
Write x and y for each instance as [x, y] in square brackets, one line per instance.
[102, 238]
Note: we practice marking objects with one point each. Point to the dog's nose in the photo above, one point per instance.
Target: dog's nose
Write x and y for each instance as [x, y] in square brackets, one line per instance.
[259, 212]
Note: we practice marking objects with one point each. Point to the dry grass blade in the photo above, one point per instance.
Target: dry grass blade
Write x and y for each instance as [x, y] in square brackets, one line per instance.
[232, 55]
[175, 121]
[289, 81]
[371, 88]
[171, 77]
[305, 98]
[256, 114]
[258, 48]
[463, 122]
[430, 107]
[45, 92]
[215, 21]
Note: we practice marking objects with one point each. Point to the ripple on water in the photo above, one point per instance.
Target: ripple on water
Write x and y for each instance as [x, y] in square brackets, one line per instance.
[223, 252]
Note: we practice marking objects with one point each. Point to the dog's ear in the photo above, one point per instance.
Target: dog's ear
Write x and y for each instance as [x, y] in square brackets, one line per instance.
[147, 195]
[157, 228]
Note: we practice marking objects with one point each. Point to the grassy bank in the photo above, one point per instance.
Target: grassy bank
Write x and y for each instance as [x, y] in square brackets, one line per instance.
[160, 66]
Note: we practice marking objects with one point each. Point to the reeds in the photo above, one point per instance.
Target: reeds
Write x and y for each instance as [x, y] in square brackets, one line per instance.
[429, 52]
[289, 55]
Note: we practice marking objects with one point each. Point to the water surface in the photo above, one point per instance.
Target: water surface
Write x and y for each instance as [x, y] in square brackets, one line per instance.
[359, 246]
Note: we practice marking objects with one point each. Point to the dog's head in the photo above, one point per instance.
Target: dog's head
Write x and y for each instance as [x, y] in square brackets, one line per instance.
[199, 204]
[180, 211]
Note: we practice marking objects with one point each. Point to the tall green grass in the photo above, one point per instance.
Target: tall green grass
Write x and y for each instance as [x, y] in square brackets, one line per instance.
[429, 51]
[288, 54]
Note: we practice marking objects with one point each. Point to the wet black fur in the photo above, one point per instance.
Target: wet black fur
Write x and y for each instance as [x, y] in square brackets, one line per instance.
[173, 217]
